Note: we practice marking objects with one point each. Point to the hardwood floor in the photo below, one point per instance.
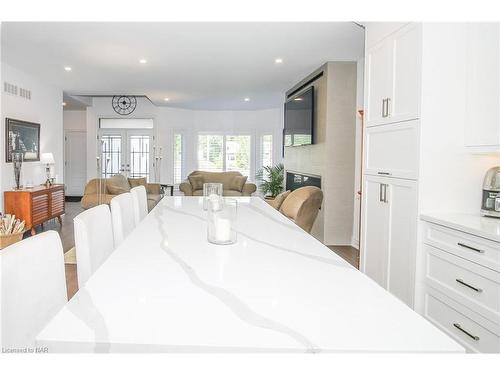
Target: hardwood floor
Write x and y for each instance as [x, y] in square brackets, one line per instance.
[348, 253]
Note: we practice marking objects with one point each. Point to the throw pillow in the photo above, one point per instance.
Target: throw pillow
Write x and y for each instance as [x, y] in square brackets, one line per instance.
[237, 183]
[134, 182]
[117, 185]
[196, 182]
[280, 198]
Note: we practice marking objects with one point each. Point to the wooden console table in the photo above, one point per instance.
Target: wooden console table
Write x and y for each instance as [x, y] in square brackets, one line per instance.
[36, 205]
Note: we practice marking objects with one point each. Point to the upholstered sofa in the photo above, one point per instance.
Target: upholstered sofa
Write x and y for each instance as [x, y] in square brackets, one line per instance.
[116, 185]
[234, 183]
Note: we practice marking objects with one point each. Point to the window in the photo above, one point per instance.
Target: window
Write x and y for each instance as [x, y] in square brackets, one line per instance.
[210, 153]
[238, 154]
[219, 153]
[139, 156]
[110, 155]
[267, 150]
[178, 152]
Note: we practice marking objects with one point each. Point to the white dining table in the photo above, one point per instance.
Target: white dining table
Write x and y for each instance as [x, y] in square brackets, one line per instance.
[277, 289]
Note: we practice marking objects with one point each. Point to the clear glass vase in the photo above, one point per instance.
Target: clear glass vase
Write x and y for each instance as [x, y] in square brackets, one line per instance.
[211, 191]
[221, 220]
[17, 163]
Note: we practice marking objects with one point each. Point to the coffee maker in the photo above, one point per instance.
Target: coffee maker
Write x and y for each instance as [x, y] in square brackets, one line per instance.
[491, 193]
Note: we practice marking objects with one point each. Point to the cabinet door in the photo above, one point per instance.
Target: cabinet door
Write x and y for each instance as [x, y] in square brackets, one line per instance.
[378, 76]
[404, 100]
[375, 227]
[401, 198]
[393, 150]
[482, 127]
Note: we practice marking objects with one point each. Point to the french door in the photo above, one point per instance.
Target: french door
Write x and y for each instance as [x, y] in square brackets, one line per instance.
[128, 152]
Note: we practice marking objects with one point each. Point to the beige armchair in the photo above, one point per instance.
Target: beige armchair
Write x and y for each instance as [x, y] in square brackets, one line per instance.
[234, 183]
[102, 190]
[302, 206]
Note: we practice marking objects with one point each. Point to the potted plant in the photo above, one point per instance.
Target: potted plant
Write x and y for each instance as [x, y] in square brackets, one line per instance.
[270, 180]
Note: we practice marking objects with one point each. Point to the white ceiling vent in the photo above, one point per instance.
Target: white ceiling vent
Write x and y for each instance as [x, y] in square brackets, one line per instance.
[9, 88]
[24, 93]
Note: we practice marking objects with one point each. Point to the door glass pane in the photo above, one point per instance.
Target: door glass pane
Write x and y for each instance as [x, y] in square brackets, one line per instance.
[238, 154]
[210, 151]
[267, 150]
[178, 158]
[139, 156]
[110, 155]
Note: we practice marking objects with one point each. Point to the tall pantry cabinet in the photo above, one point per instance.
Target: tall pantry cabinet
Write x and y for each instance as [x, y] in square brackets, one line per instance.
[391, 157]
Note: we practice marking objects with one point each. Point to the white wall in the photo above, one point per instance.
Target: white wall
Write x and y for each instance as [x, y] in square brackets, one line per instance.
[45, 107]
[75, 120]
[189, 123]
[357, 171]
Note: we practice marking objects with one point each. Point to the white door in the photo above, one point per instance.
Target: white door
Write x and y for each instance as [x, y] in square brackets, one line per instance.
[404, 101]
[401, 197]
[375, 229]
[75, 162]
[378, 81]
[128, 152]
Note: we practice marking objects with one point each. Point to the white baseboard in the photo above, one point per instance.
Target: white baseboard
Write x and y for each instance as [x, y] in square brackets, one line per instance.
[355, 243]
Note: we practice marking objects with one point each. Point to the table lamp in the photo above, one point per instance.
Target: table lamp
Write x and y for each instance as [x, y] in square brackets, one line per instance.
[48, 159]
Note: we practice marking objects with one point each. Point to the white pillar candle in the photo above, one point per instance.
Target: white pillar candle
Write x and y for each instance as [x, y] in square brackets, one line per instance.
[222, 230]
[214, 200]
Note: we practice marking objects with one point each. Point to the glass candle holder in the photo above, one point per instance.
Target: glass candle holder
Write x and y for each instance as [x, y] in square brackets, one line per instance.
[211, 191]
[221, 221]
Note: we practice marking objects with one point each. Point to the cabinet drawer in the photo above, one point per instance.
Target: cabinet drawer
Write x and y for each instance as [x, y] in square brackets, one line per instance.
[476, 249]
[461, 324]
[393, 150]
[472, 285]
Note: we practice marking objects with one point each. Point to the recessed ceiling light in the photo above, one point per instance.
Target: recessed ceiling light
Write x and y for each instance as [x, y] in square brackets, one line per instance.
[278, 60]
[143, 61]
[166, 99]
[247, 99]
[63, 103]
[67, 68]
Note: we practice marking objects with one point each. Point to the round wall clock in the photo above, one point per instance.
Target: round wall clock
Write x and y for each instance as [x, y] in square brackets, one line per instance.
[124, 105]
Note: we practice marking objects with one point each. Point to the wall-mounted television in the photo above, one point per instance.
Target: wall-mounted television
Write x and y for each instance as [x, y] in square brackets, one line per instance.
[299, 119]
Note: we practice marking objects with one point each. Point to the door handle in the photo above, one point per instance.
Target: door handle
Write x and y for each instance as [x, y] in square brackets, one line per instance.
[459, 327]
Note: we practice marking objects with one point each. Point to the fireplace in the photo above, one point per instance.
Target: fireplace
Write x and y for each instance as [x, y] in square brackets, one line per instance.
[295, 180]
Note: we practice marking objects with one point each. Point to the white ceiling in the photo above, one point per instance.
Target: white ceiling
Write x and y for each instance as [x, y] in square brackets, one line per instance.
[196, 65]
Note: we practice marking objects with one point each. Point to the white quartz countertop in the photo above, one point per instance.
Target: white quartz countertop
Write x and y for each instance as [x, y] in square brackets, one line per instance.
[166, 289]
[486, 227]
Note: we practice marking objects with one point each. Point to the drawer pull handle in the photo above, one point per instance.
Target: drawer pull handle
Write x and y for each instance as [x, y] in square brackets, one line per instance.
[457, 326]
[384, 173]
[460, 281]
[470, 247]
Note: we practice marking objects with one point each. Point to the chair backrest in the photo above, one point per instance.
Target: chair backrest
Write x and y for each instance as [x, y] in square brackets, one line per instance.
[93, 240]
[33, 287]
[122, 216]
[302, 206]
[140, 198]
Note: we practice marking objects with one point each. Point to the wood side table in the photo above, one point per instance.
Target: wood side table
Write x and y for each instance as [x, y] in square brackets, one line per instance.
[36, 205]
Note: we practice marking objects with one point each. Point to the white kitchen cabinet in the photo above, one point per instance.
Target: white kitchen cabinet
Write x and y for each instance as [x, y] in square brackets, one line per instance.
[393, 150]
[393, 77]
[482, 128]
[389, 234]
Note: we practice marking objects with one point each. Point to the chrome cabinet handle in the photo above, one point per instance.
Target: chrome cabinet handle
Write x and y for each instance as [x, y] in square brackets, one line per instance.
[383, 107]
[387, 108]
[460, 281]
[380, 192]
[385, 173]
[469, 247]
[474, 337]
[385, 193]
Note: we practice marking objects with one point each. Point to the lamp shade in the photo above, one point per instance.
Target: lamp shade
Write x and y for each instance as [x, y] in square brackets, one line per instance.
[47, 158]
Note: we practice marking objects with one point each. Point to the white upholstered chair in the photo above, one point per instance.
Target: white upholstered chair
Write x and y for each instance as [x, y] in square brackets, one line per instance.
[33, 287]
[140, 199]
[93, 240]
[122, 216]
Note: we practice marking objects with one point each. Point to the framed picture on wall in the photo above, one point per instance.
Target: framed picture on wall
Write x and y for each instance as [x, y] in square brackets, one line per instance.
[22, 136]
